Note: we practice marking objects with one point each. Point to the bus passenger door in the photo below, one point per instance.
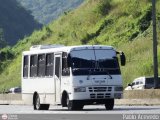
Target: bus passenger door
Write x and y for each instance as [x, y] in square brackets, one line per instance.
[57, 78]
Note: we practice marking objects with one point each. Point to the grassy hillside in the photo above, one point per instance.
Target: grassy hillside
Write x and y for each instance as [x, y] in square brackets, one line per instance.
[126, 25]
[45, 11]
[15, 21]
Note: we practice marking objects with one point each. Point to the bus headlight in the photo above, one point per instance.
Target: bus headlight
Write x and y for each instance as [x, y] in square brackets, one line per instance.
[80, 89]
[119, 88]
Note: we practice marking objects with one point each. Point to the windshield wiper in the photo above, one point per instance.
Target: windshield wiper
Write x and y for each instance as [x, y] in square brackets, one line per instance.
[108, 74]
[90, 72]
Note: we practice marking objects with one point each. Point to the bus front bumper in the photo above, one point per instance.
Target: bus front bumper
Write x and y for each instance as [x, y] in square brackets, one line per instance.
[92, 101]
[95, 96]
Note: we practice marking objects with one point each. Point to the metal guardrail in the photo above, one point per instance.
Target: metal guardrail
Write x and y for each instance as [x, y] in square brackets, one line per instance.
[10, 98]
[127, 94]
[131, 97]
[142, 94]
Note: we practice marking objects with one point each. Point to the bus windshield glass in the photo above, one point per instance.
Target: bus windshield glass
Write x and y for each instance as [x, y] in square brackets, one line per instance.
[94, 59]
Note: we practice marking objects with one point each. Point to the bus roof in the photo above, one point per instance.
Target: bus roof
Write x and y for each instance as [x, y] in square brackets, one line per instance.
[60, 48]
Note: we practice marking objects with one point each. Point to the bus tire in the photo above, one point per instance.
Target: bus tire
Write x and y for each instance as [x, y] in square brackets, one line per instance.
[36, 102]
[70, 104]
[64, 99]
[109, 105]
[37, 105]
[73, 105]
[79, 106]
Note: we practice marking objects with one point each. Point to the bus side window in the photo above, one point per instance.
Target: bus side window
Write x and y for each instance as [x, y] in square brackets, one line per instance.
[25, 66]
[65, 68]
[41, 65]
[49, 64]
[33, 66]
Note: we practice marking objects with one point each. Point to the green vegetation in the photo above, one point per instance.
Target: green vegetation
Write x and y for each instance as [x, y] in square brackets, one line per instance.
[45, 11]
[126, 25]
[15, 22]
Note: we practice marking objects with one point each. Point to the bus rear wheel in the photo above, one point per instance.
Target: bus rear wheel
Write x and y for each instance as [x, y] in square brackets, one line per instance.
[109, 104]
[37, 105]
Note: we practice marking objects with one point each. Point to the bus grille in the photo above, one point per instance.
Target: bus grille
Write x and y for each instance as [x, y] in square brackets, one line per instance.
[100, 89]
[100, 95]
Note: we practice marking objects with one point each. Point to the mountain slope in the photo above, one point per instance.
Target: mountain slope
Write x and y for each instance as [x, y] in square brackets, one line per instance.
[15, 21]
[45, 11]
[3, 43]
[107, 22]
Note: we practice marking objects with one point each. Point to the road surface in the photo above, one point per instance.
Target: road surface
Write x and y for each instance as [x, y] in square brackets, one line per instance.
[97, 112]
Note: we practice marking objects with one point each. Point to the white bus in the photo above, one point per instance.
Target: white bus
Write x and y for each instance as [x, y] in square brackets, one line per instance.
[72, 76]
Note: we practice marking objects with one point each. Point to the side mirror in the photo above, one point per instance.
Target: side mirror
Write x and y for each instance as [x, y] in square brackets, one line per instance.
[122, 58]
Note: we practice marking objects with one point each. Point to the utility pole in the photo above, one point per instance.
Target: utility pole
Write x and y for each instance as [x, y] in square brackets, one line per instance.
[156, 81]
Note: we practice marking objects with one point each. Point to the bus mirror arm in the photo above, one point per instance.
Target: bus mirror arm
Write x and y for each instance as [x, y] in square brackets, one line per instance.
[122, 58]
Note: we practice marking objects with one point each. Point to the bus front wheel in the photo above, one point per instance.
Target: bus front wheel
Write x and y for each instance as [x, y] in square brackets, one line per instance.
[109, 104]
[74, 105]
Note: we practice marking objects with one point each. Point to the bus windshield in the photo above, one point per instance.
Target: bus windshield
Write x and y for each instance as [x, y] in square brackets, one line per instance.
[94, 59]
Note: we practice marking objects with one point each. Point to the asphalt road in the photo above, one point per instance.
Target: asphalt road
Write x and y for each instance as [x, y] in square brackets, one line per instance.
[98, 112]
